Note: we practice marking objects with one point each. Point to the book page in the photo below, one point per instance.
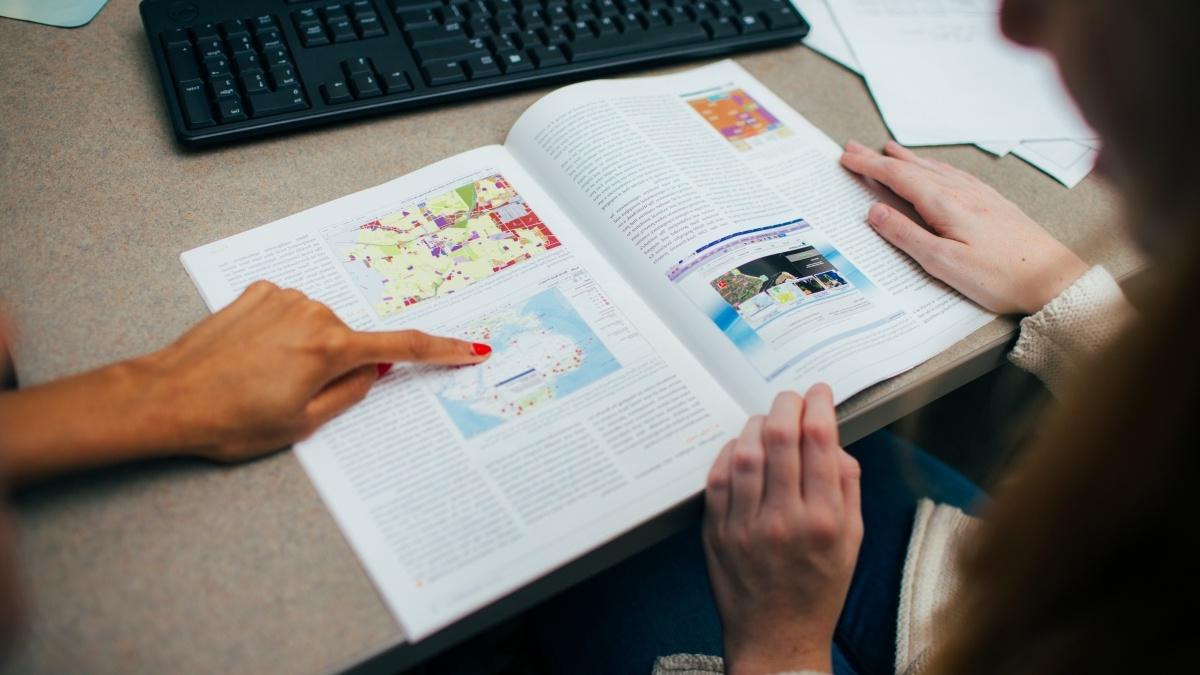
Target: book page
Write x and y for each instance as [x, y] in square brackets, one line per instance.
[458, 485]
[733, 218]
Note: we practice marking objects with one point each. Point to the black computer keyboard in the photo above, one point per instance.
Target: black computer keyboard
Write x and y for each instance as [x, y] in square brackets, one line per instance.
[235, 69]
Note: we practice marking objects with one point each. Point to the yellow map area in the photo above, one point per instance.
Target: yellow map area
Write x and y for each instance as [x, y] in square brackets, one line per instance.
[443, 244]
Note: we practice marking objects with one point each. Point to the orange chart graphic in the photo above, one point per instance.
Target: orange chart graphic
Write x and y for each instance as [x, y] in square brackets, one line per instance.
[739, 118]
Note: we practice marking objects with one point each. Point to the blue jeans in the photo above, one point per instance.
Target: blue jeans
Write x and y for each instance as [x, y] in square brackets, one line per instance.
[659, 602]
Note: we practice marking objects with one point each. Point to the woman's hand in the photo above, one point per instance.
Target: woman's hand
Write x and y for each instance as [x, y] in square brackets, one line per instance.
[978, 242]
[273, 366]
[782, 528]
[262, 373]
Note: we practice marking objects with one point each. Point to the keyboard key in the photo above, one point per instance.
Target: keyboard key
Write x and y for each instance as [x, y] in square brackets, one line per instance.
[482, 66]
[223, 87]
[247, 62]
[636, 40]
[312, 34]
[233, 28]
[176, 37]
[513, 61]
[782, 17]
[269, 39]
[210, 47]
[451, 50]
[216, 66]
[253, 83]
[206, 31]
[276, 56]
[342, 31]
[364, 85]
[443, 72]
[356, 65]
[369, 25]
[416, 18]
[449, 31]
[283, 76]
[336, 91]
[544, 57]
[720, 28]
[182, 60]
[276, 102]
[193, 100]
[394, 81]
[231, 110]
[241, 43]
[750, 24]
[479, 26]
[263, 22]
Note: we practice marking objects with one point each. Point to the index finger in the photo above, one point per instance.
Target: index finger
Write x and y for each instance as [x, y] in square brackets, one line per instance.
[819, 450]
[914, 183]
[414, 346]
[781, 438]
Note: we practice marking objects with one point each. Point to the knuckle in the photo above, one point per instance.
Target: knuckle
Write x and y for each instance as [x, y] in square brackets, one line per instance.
[291, 295]
[746, 460]
[333, 342]
[779, 435]
[260, 288]
[822, 527]
[778, 532]
[419, 344]
[717, 481]
[820, 431]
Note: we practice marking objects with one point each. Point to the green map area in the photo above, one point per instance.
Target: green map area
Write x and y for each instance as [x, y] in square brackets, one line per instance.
[442, 244]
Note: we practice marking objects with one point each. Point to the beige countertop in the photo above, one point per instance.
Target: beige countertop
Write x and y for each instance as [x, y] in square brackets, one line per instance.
[182, 566]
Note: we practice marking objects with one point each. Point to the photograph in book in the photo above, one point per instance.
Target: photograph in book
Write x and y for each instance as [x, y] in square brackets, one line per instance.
[441, 244]
[543, 350]
[739, 118]
[779, 293]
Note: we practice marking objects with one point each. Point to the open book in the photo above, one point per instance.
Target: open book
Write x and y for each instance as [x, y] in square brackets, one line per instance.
[651, 259]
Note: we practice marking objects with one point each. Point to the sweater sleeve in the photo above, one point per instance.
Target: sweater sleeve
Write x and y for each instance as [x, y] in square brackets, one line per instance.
[703, 664]
[1081, 321]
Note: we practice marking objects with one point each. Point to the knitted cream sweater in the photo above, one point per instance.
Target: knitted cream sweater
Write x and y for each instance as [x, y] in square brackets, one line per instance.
[1053, 343]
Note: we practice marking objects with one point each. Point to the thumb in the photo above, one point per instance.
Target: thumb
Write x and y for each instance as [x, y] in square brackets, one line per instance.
[928, 249]
[338, 395]
[414, 346]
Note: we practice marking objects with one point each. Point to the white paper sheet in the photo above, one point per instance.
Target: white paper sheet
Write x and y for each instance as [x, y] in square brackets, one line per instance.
[1066, 161]
[942, 73]
[825, 37]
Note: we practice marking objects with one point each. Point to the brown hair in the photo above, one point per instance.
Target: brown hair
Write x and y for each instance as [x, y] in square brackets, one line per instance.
[1090, 541]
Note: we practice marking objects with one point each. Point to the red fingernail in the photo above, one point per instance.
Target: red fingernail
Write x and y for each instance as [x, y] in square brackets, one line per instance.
[383, 368]
[480, 349]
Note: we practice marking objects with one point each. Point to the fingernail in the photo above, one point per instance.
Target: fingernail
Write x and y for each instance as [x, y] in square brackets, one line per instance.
[480, 349]
[383, 368]
[854, 146]
[877, 215]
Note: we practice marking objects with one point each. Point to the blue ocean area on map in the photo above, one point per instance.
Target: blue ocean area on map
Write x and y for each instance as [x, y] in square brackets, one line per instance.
[516, 379]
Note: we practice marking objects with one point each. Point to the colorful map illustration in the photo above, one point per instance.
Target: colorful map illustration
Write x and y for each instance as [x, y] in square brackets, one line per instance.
[542, 351]
[762, 289]
[441, 245]
[740, 119]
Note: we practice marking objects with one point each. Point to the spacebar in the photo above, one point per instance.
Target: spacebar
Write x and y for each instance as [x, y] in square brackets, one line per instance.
[632, 41]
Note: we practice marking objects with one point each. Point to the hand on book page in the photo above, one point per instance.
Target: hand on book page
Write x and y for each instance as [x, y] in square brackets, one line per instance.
[782, 528]
[978, 242]
[273, 366]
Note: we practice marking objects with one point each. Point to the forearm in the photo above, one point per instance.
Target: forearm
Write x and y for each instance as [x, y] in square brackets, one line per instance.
[106, 416]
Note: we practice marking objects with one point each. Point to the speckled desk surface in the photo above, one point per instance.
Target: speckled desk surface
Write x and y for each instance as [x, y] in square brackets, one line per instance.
[186, 567]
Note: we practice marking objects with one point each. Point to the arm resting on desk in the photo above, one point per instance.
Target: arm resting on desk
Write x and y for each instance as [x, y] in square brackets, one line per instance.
[262, 373]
